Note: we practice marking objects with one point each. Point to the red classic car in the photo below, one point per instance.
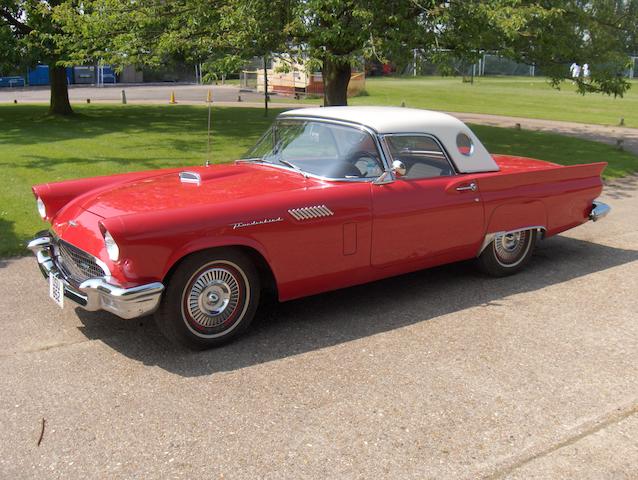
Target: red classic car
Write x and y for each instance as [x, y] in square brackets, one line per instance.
[328, 198]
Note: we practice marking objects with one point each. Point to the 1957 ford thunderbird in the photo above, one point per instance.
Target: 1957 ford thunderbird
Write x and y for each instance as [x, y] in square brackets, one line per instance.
[328, 198]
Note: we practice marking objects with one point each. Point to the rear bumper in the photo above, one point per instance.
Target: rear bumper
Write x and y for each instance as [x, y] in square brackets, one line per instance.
[599, 210]
[97, 293]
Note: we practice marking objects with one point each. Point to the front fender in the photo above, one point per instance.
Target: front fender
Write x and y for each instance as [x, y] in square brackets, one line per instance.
[199, 244]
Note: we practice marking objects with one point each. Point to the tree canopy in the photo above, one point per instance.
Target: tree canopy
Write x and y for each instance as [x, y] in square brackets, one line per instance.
[29, 34]
[331, 35]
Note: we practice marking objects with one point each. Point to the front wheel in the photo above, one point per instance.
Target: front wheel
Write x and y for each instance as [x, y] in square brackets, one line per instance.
[508, 253]
[210, 299]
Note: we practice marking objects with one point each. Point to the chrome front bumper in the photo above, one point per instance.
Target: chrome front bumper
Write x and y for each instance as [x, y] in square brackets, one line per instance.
[97, 293]
[599, 210]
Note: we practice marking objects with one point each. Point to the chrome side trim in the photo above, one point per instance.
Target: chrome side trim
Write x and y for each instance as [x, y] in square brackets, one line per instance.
[599, 210]
[308, 213]
[489, 237]
[98, 293]
[190, 177]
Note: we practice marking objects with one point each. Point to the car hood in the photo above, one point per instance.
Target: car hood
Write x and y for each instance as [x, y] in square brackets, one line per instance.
[218, 184]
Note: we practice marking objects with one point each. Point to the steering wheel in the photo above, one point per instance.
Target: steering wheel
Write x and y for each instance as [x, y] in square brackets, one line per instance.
[357, 155]
[362, 156]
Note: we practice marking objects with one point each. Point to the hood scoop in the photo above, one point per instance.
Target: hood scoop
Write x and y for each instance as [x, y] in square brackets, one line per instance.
[190, 177]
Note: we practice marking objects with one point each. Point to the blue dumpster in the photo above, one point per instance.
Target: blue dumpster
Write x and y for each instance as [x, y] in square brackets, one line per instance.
[40, 75]
[11, 82]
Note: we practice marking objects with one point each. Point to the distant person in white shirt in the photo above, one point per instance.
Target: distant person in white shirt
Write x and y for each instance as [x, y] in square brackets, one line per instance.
[574, 69]
[586, 70]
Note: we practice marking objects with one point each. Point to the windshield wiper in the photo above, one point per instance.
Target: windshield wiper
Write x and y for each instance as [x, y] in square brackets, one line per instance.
[293, 166]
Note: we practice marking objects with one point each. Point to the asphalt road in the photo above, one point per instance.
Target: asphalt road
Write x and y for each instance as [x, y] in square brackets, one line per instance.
[439, 374]
[136, 93]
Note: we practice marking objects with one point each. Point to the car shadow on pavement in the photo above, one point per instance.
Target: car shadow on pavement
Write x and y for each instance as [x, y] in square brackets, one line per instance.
[313, 323]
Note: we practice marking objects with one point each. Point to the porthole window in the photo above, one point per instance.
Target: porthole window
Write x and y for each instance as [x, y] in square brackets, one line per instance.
[464, 144]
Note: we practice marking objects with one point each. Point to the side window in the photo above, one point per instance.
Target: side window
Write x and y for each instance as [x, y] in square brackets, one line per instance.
[421, 155]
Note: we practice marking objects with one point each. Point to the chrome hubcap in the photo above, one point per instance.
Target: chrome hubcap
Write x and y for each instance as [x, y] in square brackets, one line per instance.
[213, 297]
[511, 247]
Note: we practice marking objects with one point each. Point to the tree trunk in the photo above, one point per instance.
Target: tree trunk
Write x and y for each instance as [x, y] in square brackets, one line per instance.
[336, 77]
[59, 104]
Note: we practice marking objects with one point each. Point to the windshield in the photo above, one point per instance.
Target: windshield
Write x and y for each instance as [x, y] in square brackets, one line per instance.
[319, 148]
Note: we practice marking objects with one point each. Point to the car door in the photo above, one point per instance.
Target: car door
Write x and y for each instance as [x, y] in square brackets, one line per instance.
[428, 212]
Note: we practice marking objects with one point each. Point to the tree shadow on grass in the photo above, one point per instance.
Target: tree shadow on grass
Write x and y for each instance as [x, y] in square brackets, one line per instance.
[10, 243]
[29, 124]
[119, 164]
[321, 321]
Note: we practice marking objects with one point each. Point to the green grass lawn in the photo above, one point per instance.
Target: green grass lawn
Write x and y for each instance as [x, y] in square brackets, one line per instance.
[105, 139]
[529, 97]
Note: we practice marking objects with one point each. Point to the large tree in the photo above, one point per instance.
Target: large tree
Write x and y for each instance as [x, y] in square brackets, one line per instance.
[549, 35]
[29, 34]
[333, 35]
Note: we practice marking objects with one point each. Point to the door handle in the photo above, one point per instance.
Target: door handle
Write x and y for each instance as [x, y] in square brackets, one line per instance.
[471, 187]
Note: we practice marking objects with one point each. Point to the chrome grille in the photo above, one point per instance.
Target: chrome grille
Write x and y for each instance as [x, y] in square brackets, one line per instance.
[76, 264]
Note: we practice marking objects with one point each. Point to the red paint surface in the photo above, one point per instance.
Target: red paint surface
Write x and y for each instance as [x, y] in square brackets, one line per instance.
[375, 232]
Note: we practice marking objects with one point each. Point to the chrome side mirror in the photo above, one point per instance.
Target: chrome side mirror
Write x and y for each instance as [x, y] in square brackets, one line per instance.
[385, 178]
[398, 167]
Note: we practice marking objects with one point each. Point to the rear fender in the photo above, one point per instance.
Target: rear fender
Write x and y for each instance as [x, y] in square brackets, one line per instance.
[514, 217]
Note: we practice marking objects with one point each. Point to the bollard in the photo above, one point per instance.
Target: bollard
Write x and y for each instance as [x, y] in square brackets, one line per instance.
[123, 97]
[239, 98]
[15, 101]
[622, 121]
[88, 100]
[172, 100]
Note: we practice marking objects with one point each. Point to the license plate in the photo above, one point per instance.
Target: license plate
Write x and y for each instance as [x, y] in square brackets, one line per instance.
[56, 290]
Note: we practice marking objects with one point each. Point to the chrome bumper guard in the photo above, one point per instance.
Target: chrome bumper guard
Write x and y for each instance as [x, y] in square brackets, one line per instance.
[599, 210]
[97, 293]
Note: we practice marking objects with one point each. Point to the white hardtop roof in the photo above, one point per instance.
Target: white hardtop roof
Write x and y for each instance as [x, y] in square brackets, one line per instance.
[387, 120]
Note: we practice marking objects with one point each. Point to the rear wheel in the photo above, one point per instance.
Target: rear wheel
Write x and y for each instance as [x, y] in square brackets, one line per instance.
[210, 299]
[508, 253]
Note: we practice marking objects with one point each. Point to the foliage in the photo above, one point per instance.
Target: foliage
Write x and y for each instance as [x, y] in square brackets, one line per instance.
[335, 34]
[30, 33]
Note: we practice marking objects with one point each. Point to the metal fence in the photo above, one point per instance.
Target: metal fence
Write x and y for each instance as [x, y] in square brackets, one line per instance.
[488, 64]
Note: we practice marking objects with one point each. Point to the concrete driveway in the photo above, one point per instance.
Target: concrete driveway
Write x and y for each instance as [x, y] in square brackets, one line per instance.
[439, 374]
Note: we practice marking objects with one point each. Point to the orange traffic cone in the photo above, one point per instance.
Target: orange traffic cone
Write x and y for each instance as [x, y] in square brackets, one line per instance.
[172, 101]
[209, 97]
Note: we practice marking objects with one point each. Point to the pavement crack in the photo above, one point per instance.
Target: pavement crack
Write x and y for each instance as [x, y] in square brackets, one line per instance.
[43, 348]
[597, 425]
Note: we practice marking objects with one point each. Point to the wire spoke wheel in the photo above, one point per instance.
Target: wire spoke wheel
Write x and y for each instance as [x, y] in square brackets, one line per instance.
[511, 248]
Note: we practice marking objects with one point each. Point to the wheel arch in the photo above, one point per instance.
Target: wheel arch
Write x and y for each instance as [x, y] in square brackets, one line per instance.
[515, 217]
[266, 274]
[489, 237]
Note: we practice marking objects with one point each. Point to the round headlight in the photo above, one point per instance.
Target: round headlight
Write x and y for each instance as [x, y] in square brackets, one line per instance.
[111, 247]
[42, 210]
